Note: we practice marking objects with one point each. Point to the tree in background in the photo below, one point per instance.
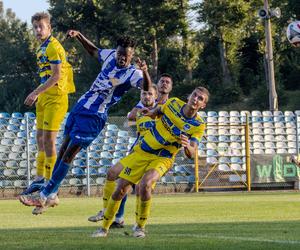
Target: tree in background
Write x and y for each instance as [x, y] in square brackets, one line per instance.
[225, 54]
[17, 66]
[154, 24]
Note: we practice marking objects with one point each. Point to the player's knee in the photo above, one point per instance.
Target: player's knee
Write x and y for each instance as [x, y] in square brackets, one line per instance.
[113, 173]
[119, 193]
[40, 142]
[146, 186]
[49, 145]
[111, 176]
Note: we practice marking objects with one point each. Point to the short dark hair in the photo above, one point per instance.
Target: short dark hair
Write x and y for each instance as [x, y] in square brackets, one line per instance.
[40, 16]
[205, 91]
[126, 41]
[166, 75]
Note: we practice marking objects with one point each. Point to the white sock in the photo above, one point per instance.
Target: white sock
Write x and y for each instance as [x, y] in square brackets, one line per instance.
[52, 195]
[119, 220]
[39, 178]
[44, 197]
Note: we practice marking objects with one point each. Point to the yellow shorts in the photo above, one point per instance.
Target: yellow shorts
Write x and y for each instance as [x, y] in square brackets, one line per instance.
[50, 111]
[139, 162]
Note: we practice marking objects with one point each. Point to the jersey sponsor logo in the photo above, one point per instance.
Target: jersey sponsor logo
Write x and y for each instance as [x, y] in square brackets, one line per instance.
[127, 171]
[101, 84]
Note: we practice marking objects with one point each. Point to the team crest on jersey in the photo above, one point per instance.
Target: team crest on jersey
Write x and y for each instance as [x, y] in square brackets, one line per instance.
[178, 106]
[43, 50]
[186, 127]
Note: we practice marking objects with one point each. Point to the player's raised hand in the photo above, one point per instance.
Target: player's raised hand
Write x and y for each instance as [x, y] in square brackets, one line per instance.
[148, 112]
[72, 33]
[141, 64]
[184, 140]
[31, 99]
[145, 111]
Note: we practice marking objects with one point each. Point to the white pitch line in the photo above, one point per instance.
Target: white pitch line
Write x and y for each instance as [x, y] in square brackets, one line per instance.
[235, 238]
[199, 236]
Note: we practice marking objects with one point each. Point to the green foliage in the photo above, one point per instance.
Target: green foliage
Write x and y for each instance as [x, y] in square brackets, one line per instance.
[17, 62]
[226, 54]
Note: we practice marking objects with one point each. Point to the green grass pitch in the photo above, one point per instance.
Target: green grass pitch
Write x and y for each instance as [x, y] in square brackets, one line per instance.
[256, 220]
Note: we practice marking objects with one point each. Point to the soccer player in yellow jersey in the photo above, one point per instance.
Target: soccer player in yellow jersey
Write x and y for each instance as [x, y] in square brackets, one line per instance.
[51, 97]
[147, 101]
[164, 87]
[179, 126]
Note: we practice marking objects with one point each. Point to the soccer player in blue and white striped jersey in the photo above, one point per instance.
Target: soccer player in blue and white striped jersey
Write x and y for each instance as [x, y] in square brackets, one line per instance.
[89, 115]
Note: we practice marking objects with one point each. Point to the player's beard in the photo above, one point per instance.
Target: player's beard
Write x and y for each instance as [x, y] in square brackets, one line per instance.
[147, 103]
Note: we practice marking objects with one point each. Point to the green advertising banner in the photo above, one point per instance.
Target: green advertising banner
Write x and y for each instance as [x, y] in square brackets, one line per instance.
[273, 168]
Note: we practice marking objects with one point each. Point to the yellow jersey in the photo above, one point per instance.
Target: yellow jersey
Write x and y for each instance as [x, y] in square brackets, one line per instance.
[143, 124]
[52, 52]
[163, 137]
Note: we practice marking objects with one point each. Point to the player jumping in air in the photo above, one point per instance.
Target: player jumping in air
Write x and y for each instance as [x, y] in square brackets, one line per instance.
[89, 115]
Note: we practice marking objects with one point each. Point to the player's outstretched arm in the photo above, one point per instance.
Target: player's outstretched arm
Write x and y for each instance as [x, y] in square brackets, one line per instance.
[86, 43]
[152, 112]
[132, 114]
[147, 83]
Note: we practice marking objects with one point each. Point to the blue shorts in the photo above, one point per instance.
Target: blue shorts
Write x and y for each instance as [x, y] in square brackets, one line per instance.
[83, 127]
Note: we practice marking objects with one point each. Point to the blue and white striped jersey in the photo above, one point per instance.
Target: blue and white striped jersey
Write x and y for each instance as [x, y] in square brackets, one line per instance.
[111, 83]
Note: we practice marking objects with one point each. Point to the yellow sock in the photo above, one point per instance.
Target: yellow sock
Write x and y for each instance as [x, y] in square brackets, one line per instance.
[137, 206]
[144, 212]
[110, 212]
[108, 189]
[49, 165]
[40, 163]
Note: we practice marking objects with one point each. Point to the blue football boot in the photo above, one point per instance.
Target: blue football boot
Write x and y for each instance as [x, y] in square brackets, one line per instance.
[34, 186]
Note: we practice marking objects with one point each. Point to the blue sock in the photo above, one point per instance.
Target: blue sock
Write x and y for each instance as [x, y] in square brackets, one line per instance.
[120, 213]
[54, 169]
[56, 164]
[57, 176]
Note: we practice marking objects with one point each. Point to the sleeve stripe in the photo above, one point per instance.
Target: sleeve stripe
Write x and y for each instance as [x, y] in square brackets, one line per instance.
[55, 62]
